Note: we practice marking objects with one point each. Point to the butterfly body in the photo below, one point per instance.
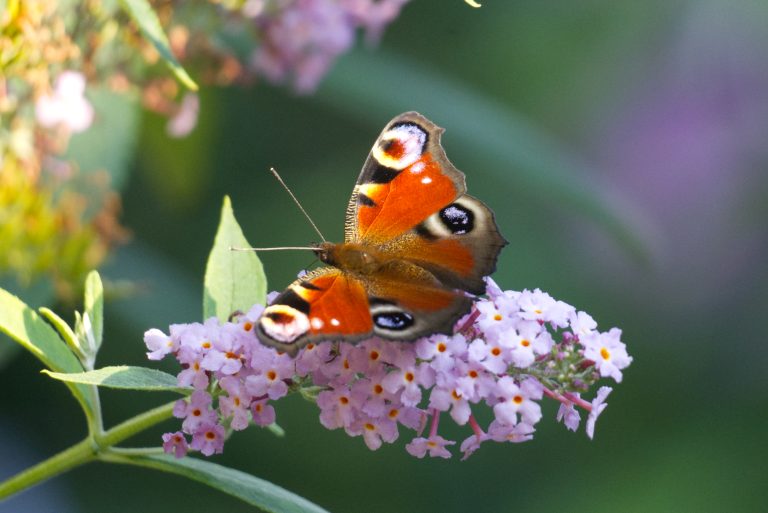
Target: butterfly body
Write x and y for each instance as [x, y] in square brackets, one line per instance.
[416, 248]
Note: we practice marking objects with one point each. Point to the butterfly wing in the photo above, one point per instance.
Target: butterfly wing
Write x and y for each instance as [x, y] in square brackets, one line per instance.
[433, 242]
[410, 202]
[324, 304]
[401, 302]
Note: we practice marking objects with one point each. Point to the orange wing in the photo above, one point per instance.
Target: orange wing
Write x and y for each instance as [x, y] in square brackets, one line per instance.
[325, 304]
[405, 179]
[410, 203]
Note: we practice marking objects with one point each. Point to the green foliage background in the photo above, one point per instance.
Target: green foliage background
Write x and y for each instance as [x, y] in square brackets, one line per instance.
[541, 102]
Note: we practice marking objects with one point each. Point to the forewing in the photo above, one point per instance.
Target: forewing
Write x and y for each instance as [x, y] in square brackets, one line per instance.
[405, 179]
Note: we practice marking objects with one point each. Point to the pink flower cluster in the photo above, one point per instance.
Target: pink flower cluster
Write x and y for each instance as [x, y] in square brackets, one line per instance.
[302, 38]
[511, 351]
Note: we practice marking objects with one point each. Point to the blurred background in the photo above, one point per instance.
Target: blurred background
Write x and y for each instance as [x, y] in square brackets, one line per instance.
[622, 146]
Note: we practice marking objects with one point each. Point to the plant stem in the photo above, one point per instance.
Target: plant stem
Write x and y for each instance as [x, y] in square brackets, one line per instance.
[67, 459]
[84, 452]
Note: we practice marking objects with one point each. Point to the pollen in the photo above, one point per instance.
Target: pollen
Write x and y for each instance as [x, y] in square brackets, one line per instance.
[497, 317]
[605, 354]
[210, 435]
[496, 351]
[206, 345]
[271, 375]
[441, 347]
[346, 364]
[248, 326]
[518, 399]
[525, 343]
[455, 394]
[537, 311]
[258, 407]
[344, 400]
[196, 412]
[231, 355]
[409, 376]
[393, 413]
[472, 374]
[370, 427]
[374, 355]
[236, 401]
[378, 389]
[310, 347]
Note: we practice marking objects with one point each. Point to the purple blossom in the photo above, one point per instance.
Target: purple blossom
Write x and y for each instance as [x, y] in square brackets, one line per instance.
[500, 358]
[598, 405]
[176, 444]
[208, 439]
[434, 445]
[608, 353]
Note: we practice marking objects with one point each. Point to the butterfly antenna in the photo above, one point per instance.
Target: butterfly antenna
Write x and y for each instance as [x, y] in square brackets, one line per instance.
[281, 248]
[279, 179]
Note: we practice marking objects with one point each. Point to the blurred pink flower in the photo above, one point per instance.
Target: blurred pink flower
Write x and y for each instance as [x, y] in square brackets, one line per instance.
[67, 104]
[301, 40]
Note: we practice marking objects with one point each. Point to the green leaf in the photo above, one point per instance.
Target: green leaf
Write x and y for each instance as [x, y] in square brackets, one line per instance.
[94, 305]
[23, 325]
[146, 18]
[234, 280]
[258, 492]
[521, 156]
[63, 328]
[125, 377]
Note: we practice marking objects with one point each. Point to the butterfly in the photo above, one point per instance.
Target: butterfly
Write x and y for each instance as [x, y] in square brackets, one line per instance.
[416, 249]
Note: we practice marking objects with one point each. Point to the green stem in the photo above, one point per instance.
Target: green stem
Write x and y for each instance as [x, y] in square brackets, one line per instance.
[85, 451]
[76, 455]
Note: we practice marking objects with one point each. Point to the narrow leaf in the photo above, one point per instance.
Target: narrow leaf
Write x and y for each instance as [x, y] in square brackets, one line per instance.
[234, 280]
[258, 492]
[23, 325]
[125, 377]
[146, 18]
[62, 327]
[94, 305]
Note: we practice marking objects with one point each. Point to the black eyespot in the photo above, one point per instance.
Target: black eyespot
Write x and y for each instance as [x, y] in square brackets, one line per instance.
[458, 219]
[395, 321]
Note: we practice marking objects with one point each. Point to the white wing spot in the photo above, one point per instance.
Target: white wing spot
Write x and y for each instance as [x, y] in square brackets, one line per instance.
[284, 323]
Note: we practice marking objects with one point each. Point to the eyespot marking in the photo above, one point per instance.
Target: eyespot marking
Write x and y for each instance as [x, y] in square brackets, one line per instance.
[283, 323]
[393, 320]
[400, 146]
[458, 219]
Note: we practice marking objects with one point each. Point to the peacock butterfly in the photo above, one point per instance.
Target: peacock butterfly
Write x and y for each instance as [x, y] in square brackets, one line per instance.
[416, 248]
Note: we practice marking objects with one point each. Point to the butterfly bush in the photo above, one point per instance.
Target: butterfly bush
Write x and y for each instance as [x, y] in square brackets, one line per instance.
[509, 353]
